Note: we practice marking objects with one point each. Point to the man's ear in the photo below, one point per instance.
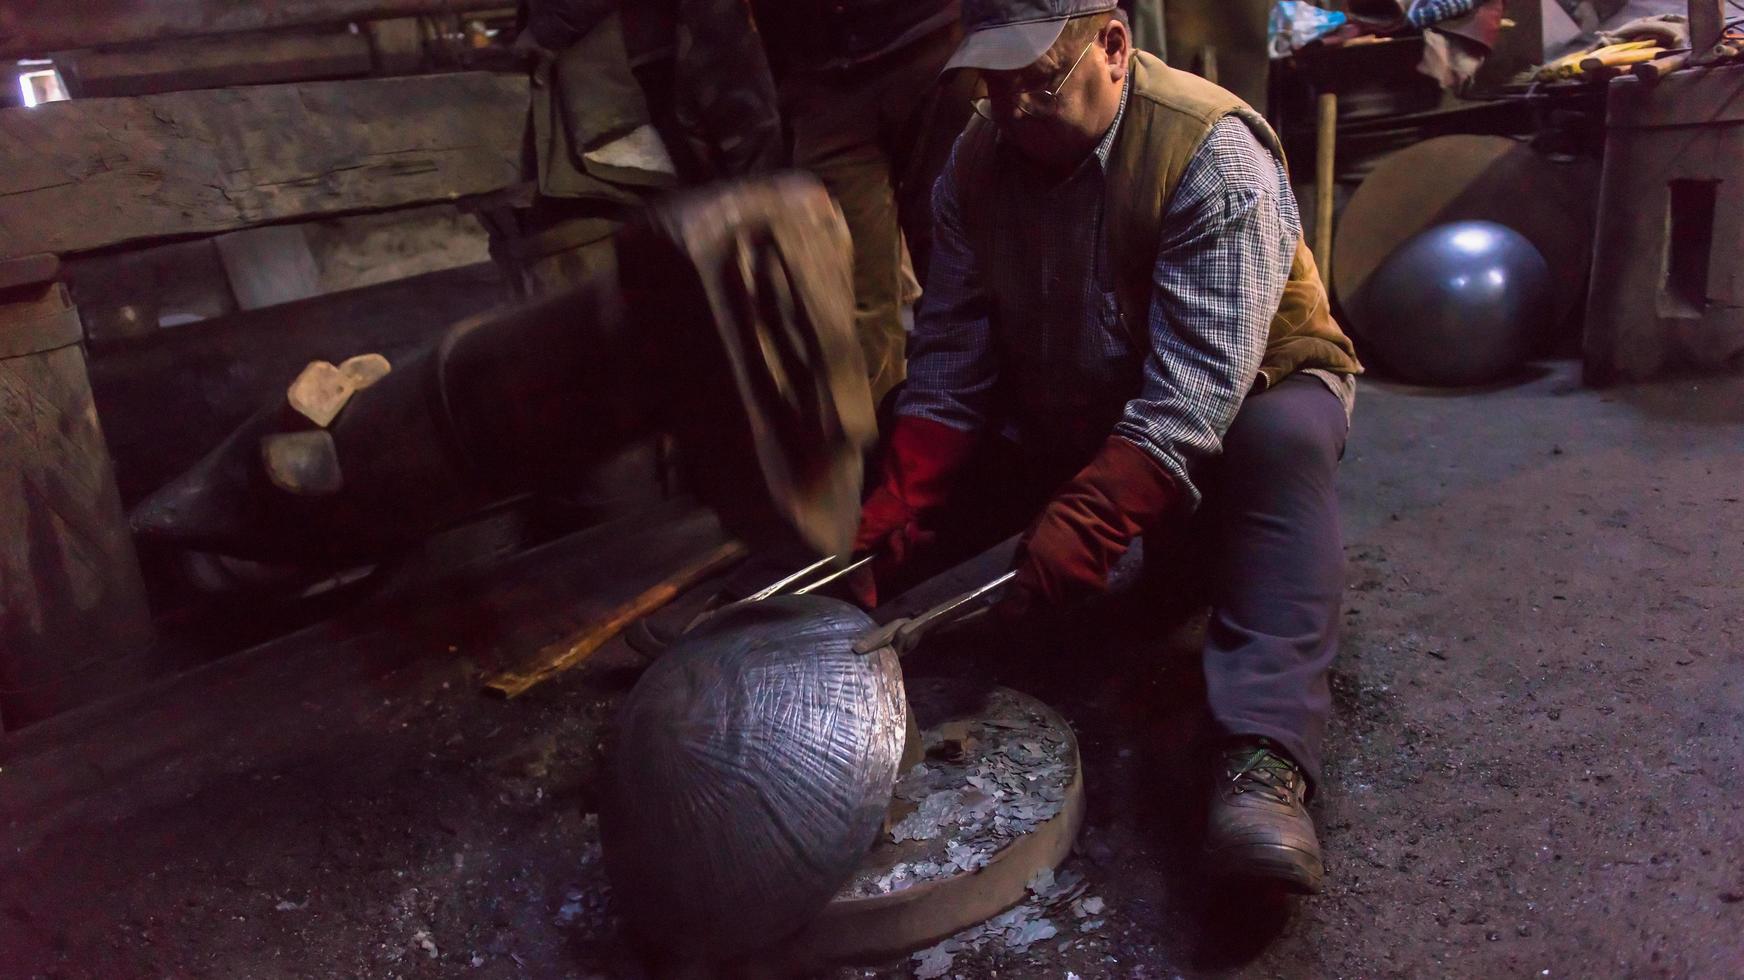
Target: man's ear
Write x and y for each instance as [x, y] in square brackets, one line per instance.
[1117, 45]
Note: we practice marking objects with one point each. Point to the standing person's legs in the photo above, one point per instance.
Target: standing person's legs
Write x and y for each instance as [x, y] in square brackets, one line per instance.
[834, 116]
[1278, 556]
[923, 115]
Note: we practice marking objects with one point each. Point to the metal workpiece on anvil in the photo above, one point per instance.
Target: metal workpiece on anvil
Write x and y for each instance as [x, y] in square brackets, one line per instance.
[750, 768]
[752, 772]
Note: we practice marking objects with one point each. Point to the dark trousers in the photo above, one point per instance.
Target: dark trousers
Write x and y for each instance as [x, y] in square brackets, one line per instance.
[877, 135]
[1264, 550]
[1275, 552]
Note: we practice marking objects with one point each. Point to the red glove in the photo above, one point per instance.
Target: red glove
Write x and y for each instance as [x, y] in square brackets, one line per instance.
[1069, 550]
[921, 461]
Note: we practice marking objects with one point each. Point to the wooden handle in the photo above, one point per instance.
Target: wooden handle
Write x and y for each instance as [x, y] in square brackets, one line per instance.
[1707, 23]
[1616, 59]
[555, 658]
[1326, 144]
[1653, 71]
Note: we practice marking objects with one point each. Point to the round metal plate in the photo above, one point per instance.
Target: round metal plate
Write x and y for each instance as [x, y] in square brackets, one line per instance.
[889, 907]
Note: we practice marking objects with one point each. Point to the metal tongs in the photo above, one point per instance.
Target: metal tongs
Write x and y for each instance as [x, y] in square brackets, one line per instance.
[902, 634]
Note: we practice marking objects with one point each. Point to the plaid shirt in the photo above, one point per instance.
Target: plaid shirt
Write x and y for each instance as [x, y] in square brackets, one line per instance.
[1051, 364]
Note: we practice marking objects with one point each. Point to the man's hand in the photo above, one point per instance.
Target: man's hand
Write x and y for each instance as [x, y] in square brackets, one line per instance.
[1068, 552]
[922, 459]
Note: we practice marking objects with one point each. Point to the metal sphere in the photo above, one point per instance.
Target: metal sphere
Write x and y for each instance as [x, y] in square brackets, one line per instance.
[1459, 304]
[752, 767]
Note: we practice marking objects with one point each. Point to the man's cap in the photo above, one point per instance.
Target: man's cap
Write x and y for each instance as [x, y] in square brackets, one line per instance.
[1005, 35]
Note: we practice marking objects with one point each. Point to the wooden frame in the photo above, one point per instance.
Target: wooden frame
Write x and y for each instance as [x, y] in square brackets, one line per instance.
[40, 27]
[95, 173]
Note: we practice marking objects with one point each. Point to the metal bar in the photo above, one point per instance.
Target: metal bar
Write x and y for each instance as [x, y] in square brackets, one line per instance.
[41, 27]
[839, 574]
[904, 635]
[774, 588]
[780, 587]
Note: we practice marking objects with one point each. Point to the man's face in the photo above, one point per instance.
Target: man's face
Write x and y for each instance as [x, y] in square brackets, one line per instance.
[1057, 109]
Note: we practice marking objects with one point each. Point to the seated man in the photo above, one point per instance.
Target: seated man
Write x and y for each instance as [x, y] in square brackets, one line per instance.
[1120, 290]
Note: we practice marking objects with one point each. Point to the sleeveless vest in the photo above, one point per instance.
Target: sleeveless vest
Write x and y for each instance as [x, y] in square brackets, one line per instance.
[1168, 115]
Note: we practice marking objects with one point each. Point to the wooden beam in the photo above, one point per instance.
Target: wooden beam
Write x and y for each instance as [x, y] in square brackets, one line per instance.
[40, 27]
[215, 62]
[29, 270]
[71, 596]
[89, 174]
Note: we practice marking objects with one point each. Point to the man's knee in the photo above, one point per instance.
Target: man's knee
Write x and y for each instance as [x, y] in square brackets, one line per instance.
[1287, 431]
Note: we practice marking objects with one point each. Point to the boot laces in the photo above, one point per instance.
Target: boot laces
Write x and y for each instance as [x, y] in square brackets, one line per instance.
[1265, 772]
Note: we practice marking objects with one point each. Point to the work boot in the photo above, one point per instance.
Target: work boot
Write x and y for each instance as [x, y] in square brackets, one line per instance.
[1259, 828]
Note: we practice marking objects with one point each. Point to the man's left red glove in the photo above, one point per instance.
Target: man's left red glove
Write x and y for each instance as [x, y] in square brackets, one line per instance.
[922, 461]
[1070, 549]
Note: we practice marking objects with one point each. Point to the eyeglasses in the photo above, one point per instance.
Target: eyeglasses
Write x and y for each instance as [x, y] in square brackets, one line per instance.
[1047, 100]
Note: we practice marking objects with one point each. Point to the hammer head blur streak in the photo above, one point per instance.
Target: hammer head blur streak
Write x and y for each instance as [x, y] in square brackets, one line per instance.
[781, 416]
[728, 323]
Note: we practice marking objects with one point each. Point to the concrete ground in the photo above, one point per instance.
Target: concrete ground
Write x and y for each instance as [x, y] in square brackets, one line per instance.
[1534, 764]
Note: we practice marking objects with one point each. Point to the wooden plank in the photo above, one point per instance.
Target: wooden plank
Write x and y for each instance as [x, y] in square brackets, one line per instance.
[21, 336]
[93, 173]
[38, 27]
[268, 266]
[1688, 98]
[327, 682]
[1667, 289]
[71, 597]
[29, 270]
[555, 658]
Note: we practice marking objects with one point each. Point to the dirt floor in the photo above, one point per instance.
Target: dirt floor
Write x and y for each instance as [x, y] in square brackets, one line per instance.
[1534, 764]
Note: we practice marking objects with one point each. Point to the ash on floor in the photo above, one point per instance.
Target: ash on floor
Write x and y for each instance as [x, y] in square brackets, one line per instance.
[984, 783]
